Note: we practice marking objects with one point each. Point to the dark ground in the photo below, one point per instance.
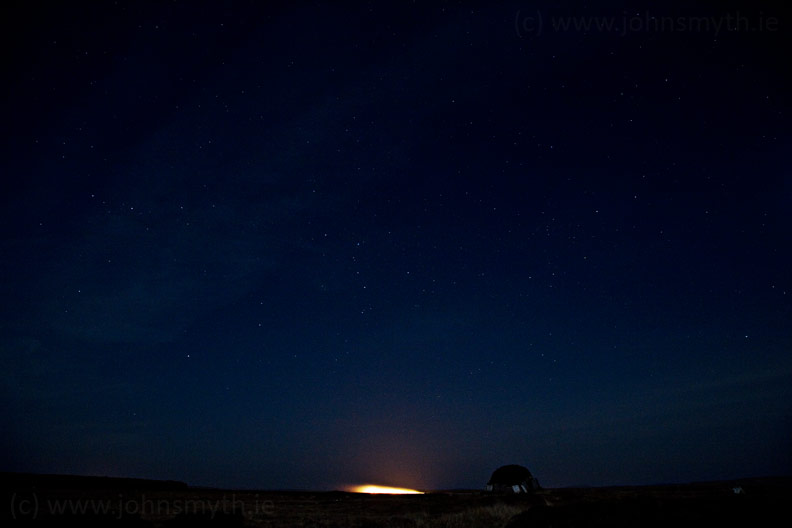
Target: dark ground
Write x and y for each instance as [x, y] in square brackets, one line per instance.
[92, 502]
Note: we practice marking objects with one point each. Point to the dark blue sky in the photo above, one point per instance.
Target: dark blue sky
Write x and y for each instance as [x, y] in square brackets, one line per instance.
[301, 246]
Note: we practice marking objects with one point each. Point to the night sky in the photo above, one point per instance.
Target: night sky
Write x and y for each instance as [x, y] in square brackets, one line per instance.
[302, 245]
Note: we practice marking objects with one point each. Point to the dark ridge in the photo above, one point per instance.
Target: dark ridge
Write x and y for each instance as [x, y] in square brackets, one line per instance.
[80, 482]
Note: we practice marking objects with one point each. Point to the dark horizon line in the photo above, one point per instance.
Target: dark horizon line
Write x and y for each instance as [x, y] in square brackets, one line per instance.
[8, 477]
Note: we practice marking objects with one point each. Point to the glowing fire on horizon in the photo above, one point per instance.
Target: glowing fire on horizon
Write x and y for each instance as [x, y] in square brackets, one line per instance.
[370, 488]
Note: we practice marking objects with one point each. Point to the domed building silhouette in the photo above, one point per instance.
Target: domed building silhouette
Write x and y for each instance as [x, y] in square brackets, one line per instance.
[512, 479]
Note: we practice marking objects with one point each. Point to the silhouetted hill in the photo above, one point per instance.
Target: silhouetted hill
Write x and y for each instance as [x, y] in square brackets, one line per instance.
[20, 481]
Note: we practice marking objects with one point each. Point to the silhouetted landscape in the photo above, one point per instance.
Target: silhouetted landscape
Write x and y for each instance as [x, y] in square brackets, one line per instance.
[56, 500]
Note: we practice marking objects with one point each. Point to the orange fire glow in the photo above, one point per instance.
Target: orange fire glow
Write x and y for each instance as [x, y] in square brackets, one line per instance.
[370, 488]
